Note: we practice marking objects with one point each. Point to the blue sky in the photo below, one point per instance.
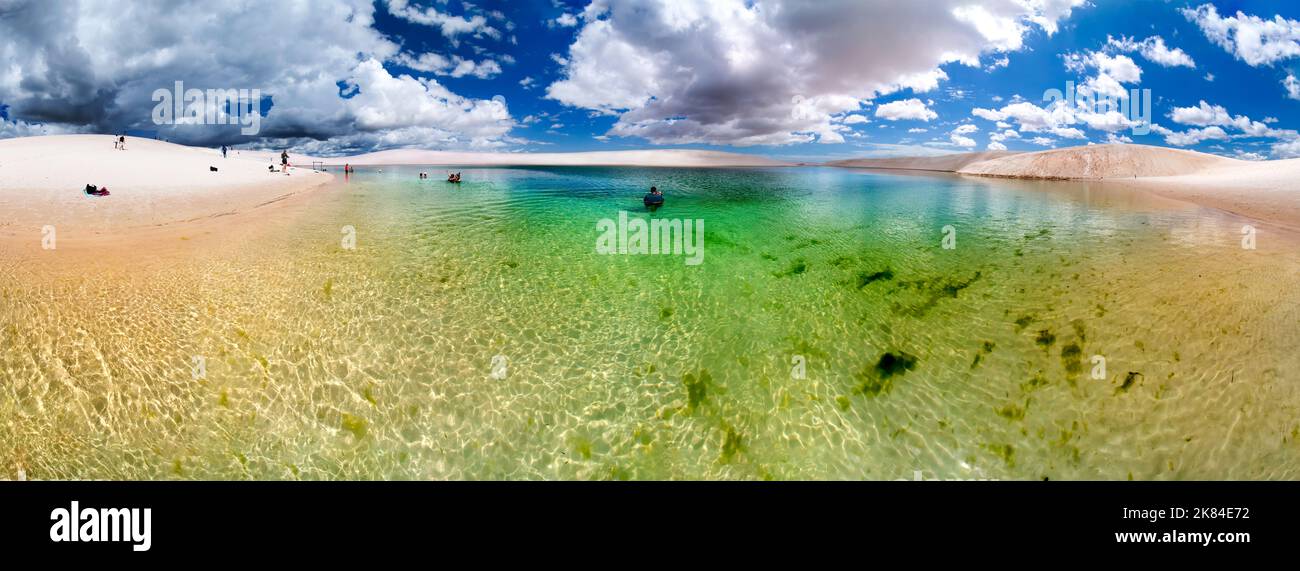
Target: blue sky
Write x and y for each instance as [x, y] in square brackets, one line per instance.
[797, 79]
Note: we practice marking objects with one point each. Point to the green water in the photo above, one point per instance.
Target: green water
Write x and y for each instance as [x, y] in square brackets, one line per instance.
[323, 361]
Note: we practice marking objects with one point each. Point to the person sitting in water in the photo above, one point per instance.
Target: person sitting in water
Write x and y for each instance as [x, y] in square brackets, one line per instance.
[654, 198]
[451, 177]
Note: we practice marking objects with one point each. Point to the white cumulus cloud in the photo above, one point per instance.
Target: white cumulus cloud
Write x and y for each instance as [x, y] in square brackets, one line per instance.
[1153, 49]
[913, 109]
[1292, 86]
[1249, 38]
[93, 65]
[774, 72]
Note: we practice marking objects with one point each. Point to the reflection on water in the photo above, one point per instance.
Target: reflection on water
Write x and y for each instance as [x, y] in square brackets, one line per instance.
[474, 332]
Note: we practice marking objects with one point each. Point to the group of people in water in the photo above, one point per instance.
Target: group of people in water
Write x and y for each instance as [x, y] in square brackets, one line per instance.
[451, 177]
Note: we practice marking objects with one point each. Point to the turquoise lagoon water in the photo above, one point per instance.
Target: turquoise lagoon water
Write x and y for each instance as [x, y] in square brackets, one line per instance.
[475, 332]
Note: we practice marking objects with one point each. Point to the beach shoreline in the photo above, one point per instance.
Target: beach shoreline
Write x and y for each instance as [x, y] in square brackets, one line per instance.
[157, 191]
[1263, 191]
[163, 193]
[157, 185]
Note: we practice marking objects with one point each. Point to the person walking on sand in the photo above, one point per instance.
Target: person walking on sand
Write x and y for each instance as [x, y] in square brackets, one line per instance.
[223, 151]
[284, 161]
[115, 145]
[122, 142]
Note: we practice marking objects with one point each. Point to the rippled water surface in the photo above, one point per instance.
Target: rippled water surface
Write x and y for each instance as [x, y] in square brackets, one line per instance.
[264, 348]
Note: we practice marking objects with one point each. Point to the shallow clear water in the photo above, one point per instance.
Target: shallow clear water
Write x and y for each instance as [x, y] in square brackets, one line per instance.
[321, 361]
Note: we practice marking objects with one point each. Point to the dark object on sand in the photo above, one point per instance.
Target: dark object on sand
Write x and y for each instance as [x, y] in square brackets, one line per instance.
[213, 169]
[96, 191]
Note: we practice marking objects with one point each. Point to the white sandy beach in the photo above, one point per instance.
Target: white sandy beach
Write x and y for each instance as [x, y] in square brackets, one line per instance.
[152, 183]
[1268, 191]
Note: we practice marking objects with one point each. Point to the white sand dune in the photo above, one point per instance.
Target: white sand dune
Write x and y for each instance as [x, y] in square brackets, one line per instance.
[151, 183]
[1098, 162]
[1268, 191]
[1263, 190]
[943, 163]
[679, 158]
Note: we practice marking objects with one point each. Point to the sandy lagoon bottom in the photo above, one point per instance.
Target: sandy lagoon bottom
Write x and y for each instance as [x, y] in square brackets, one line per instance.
[259, 346]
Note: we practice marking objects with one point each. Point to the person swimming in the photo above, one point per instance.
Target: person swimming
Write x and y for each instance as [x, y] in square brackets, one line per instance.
[654, 198]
